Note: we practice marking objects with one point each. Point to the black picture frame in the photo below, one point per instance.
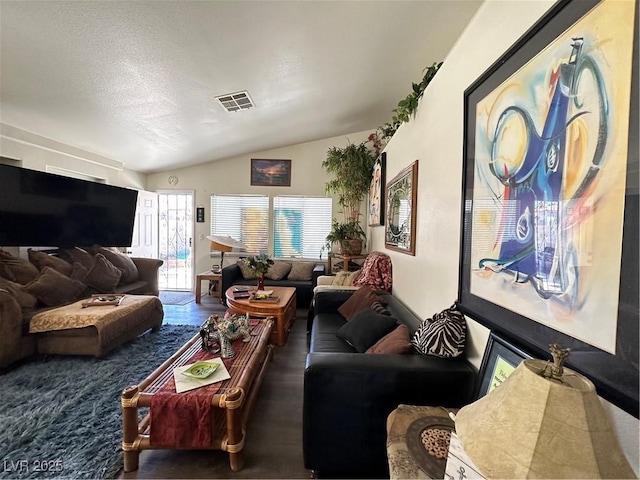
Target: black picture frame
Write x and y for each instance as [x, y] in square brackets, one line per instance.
[615, 375]
[270, 173]
[491, 373]
[377, 191]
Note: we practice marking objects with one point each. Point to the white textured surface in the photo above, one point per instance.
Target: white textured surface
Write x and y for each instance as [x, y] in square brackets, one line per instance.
[135, 81]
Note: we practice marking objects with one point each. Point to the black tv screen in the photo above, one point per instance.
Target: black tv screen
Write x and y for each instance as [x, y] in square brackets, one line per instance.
[42, 209]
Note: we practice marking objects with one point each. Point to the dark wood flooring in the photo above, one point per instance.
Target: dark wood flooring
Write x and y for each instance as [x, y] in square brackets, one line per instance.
[273, 443]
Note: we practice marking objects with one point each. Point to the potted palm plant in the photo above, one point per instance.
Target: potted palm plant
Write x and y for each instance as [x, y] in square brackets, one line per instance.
[351, 167]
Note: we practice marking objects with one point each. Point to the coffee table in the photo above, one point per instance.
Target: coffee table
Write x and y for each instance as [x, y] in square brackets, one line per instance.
[284, 310]
[231, 405]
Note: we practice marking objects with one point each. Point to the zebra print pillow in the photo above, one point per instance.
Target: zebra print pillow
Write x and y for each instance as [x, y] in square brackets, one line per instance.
[443, 335]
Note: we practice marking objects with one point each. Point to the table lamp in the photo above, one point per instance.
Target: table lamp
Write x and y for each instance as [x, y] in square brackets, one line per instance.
[543, 421]
[222, 244]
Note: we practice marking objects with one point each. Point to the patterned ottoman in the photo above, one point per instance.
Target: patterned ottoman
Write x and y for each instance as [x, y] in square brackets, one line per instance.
[76, 330]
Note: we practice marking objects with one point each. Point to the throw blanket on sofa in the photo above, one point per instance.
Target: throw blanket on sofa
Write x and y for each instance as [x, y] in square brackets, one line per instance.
[376, 272]
[75, 316]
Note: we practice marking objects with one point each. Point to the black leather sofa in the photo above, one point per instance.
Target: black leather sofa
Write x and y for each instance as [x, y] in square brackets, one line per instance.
[348, 395]
[232, 275]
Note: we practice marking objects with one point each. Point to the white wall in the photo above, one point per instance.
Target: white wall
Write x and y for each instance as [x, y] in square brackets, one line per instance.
[232, 176]
[428, 282]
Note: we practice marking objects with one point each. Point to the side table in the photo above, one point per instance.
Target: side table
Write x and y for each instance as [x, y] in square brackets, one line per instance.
[418, 441]
[347, 261]
[211, 276]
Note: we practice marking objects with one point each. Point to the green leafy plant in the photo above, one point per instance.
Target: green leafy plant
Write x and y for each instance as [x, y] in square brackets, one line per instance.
[407, 107]
[343, 232]
[259, 264]
[351, 167]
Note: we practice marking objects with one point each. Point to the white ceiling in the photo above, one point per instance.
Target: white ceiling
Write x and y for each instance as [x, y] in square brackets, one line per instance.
[136, 81]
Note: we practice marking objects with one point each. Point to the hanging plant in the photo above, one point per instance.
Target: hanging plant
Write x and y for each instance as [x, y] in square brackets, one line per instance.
[407, 107]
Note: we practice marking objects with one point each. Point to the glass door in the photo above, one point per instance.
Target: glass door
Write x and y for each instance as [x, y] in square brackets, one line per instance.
[175, 240]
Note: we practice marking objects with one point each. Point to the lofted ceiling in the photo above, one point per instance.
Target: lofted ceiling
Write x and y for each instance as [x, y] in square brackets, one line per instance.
[137, 81]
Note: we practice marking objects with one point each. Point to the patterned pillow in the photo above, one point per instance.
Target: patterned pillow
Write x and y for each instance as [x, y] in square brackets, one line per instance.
[247, 273]
[379, 308]
[344, 278]
[278, 270]
[301, 271]
[443, 335]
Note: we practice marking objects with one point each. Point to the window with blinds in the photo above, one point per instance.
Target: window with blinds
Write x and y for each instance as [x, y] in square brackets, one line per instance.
[243, 217]
[300, 225]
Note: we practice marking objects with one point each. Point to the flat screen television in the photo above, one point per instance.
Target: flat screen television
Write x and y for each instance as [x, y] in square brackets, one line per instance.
[43, 209]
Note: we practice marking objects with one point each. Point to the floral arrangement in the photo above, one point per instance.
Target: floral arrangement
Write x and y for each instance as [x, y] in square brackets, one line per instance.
[259, 264]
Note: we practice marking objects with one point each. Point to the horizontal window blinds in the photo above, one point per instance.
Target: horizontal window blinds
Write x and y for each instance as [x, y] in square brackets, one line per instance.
[243, 217]
[300, 225]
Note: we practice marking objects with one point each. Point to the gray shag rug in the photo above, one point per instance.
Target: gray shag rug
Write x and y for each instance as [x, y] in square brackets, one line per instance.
[62, 413]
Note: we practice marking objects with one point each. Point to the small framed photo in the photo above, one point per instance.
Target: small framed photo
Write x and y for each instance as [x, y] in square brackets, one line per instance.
[500, 359]
[270, 173]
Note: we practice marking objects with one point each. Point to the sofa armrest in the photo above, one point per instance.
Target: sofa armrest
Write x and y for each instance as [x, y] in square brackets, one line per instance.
[318, 271]
[230, 274]
[148, 271]
[10, 329]
[348, 396]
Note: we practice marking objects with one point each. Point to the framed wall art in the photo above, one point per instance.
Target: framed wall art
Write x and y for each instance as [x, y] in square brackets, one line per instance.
[376, 191]
[401, 200]
[270, 173]
[500, 359]
[549, 250]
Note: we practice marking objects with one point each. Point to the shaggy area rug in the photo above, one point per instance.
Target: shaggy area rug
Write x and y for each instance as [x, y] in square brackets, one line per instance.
[62, 413]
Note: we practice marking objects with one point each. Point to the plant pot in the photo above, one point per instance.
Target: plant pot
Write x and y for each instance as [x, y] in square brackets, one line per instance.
[351, 247]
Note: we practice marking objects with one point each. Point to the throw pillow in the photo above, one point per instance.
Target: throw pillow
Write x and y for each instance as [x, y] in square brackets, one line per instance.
[77, 254]
[247, 273]
[24, 299]
[361, 298]
[103, 276]
[121, 261]
[395, 342]
[301, 271]
[365, 329]
[340, 278]
[53, 288]
[278, 270]
[380, 308]
[42, 259]
[443, 335]
[79, 272]
[22, 270]
[5, 272]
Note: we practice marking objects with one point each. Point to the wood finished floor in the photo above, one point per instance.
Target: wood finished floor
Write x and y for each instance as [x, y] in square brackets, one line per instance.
[273, 443]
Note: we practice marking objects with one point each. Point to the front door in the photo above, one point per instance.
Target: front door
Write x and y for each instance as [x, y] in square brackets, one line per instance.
[175, 245]
[144, 242]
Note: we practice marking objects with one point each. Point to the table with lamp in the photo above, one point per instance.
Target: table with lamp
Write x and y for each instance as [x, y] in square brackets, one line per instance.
[222, 244]
[543, 421]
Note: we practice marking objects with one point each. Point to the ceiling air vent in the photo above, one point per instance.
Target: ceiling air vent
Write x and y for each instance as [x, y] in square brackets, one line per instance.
[236, 101]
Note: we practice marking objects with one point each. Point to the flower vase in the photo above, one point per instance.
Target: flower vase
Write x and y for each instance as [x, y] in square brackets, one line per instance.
[261, 282]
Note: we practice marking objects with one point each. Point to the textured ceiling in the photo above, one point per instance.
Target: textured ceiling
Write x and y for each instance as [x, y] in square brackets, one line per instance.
[136, 81]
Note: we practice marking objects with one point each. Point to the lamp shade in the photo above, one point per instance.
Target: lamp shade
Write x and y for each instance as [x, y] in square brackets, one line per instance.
[223, 243]
[532, 426]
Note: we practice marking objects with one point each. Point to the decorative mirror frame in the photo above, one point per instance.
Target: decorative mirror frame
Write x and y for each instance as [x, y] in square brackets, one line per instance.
[405, 184]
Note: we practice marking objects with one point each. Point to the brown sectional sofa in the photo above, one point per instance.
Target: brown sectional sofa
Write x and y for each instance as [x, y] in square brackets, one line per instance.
[17, 343]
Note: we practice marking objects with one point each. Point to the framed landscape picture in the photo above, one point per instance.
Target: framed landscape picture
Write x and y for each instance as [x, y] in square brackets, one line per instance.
[549, 250]
[270, 173]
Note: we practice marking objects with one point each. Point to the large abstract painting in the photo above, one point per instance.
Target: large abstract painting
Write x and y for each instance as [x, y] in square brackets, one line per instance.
[546, 166]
